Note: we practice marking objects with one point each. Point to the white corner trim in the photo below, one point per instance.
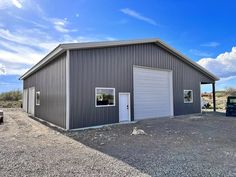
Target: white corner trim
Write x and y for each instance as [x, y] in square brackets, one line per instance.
[171, 94]
[67, 89]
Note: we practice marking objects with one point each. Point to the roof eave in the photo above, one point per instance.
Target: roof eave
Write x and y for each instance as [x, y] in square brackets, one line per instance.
[70, 46]
[49, 57]
[188, 60]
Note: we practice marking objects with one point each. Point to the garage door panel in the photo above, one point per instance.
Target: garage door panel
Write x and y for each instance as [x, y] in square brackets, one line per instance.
[152, 93]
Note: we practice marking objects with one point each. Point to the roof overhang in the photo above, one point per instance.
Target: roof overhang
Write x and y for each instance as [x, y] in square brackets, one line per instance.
[53, 54]
[70, 46]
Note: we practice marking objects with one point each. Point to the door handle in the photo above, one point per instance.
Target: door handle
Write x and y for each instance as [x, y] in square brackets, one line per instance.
[127, 106]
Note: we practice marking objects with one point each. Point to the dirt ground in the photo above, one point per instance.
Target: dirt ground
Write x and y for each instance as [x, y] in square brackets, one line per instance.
[182, 146]
[29, 148]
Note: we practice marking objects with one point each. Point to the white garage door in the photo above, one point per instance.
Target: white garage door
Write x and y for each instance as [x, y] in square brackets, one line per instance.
[25, 100]
[31, 102]
[153, 93]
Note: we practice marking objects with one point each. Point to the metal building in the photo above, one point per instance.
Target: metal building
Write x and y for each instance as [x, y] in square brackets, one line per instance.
[86, 84]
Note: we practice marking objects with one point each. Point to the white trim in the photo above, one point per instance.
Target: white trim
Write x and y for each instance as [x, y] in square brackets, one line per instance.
[125, 93]
[191, 95]
[36, 99]
[57, 51]
[99, 106]
[186, 59]
[67, 90]
[171, 94]
[152, 68]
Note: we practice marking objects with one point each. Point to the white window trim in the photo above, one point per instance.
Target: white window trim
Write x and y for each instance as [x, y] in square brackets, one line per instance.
[191, 96]
[98, 106]
[36, 98]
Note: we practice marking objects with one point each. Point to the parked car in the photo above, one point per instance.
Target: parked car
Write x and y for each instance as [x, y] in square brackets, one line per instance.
[1, 116]
[231, 106]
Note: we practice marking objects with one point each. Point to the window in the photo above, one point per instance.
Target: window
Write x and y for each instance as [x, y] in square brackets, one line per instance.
[104, 97]
[232, 100]
[188, 96]
[37, 98]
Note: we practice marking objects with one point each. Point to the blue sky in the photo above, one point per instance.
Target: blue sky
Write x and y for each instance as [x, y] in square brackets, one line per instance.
[204, 31]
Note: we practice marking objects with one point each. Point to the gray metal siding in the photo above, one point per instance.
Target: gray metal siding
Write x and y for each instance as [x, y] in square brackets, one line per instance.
[113, 67]
[51, 82]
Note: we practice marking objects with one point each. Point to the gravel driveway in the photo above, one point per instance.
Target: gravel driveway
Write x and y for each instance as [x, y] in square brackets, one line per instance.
[29, 148]
[183, 146]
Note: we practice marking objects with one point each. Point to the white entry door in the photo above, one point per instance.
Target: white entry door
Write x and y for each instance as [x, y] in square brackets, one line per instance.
[25, 100]
[31, 105]
[124, 107]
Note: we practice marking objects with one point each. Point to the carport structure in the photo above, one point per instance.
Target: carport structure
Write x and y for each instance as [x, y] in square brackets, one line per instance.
[213, 94]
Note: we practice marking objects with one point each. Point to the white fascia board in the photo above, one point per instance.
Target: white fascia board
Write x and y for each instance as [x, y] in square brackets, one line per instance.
[187, 60]
[106, 43]
[57, 51]
[67, 89]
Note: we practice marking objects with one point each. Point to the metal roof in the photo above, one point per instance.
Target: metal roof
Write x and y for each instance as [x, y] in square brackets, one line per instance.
[68, 46]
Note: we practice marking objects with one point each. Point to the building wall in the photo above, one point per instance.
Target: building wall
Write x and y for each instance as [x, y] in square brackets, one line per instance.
[113, 67]
[51, 82]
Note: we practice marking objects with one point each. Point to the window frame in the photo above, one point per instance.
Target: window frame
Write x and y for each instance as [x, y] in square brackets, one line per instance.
[191, 96]
[99, 106]
[36, 103]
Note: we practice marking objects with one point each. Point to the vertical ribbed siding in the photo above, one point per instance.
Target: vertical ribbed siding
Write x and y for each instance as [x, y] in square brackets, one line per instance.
[113, 67]
[50, 81]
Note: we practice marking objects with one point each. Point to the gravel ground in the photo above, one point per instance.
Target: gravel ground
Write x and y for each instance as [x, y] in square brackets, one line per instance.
[183, 146]
[29, 148]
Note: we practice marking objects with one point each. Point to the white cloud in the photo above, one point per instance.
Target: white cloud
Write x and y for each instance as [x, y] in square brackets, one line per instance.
[5, 4]
[22, 48]
[17, 3]
[210, 44]
[60, 24]
[138, 16]
[200, 53]
[2, 69]
[16, 71]
[36, 37]
[12, 69]
[224, 65]
[9, 3]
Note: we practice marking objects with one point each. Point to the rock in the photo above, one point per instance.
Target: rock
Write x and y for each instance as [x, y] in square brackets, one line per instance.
[137, 131]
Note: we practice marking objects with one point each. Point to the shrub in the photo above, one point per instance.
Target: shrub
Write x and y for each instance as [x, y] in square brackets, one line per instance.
[230, 91]
[11, 96]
